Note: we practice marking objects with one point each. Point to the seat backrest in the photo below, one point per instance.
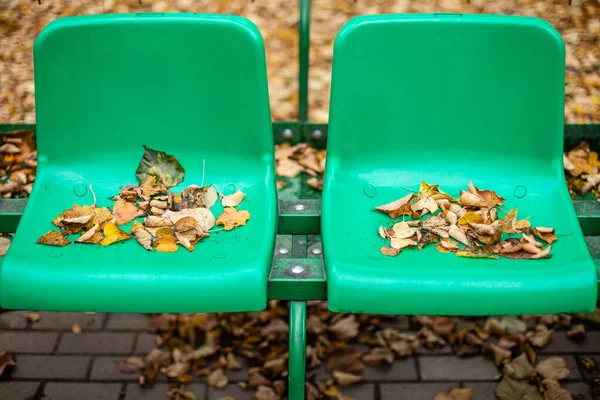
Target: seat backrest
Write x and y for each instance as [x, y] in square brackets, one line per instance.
[438, 95]
[191, 85]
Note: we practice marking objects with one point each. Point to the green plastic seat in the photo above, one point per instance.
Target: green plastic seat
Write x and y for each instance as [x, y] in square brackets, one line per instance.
[447, 99]
[191, 85]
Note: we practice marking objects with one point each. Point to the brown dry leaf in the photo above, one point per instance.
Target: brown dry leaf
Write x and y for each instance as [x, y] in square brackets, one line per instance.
[519, 368]
[455, 394]
[345, 378]
[511, 245]
[176, 369]
[345, 328]
[102, 216]
[112, 234]
[124, 212]
[281, 184]
[389, 251]
[470, 217]
[508, 223]
[143, 237]
[265, 393]
[546, 235]
[529, 255]
[217, 379]
[5, 361]
[194, 197]
[396, 208]
[541, 337]
[93, 235]
[473, 250]
[511, 389]
[377, 356]
[32, 317]
[204, 217]
[232, 218]
[76, 329]
[500, 353]
[181, 394]
[165, 244]
[288, 168]
[4, 245]
[553, 368]
[233, 200]
[458, 234]
[577, 332]
[72, 221]
[315, 183]
[424, 205]
[446, 246]
[426, 239]
[132, 365]
[53, 238]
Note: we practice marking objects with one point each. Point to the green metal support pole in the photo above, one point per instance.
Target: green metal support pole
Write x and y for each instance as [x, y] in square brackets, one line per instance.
[297, 351]
[304, 32]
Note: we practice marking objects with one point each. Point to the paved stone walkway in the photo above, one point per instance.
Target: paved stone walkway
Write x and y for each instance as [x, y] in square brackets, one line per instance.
[53, 363]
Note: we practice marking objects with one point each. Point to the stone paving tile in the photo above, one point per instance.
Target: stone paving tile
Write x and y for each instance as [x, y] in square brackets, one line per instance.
[560, 343]
[79, 391]
[18, 390]
[361, 391]
[414, 391]
[65, 320]
[145, 342]
[482, 390]
[51, 367]
[107, 369]
[28, 342]
[127, 322]
[159, 391]
[399, 370]
[230, 390]
[96, 343]
[453, 368]
[13, 320]
[579, 388]
[571, 363]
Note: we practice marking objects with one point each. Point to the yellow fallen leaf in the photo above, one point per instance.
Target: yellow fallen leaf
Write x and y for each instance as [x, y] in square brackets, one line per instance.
[281, 184]
[113, 234]
[205, 219]
[74, 220]
[508, 223]
[102, 216]
[433, 191]
[473, 250]
[165, 244]
[288, 168]
[546, 234]
[446, 246]
[424, 205]
[458, 234]
[53, 238]
[124, 212]
[185, 224]
[232, 218]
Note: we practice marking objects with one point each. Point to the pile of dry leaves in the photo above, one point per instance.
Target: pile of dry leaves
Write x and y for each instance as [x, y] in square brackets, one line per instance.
[168, 219]
[472, 220]
[581, 170]
[340, 346]
[300, 158]
[18, 164]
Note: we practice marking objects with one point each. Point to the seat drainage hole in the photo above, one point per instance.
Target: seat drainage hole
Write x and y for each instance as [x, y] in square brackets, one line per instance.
[219, 255]
[370, 191]
[80, 190]
[520, 191]
[230, 188]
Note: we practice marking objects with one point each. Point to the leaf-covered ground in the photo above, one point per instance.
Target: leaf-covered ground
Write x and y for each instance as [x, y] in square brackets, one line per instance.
[22, 20]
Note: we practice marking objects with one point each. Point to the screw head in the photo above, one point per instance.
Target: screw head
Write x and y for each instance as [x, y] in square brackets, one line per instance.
[316, 251]
[287, 133]
[297, 269]
[317, 134]
[299, 207]
[283, 250]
